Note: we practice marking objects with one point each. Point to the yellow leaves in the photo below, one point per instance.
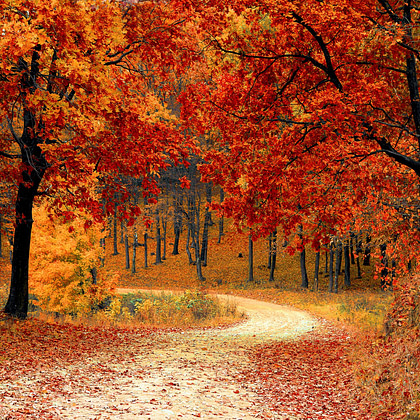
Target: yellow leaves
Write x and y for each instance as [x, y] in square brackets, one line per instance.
[62, 262]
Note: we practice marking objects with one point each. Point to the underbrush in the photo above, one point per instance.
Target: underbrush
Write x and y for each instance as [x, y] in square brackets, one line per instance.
[189, 309]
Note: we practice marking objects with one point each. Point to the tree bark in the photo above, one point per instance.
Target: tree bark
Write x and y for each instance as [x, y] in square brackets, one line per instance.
[303, 271]
[158, 256]
[347, 280]
[339, 256]
[127, 252]
[331, 270]
[221, 219]
[145, 236]
[250, 259]
[316, 275]
[115, 231]
[273, 253]
[135, 244]
[366, 258]
[34, 166]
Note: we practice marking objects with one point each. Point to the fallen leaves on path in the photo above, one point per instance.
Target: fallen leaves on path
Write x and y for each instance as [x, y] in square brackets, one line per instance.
[310, 378]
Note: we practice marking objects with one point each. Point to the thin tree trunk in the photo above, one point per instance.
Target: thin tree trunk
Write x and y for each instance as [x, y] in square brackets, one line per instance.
[127, 252]
[221, 219]
[158, 256]
[145, 236]
[273, 253]
[339, 256]
[358, 251]
[1, 236]
[250, 259]
[316, 275]
[270, 250]
[164, 225]
[303, 271]
[135, 244]
[115, 231]
[327, 270]
[366, 258]
[207, 222]
[177, 225]
[187, 248]
[352, 237]
[122, 237]
[347, 280]
[331, 269]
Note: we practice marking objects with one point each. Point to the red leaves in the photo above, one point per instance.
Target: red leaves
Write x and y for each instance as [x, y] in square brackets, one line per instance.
[185, 183]
[311, 378]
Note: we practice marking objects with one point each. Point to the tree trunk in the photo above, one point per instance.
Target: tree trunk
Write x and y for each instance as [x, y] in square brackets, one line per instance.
[384, 268]
[133, 264]
[164, 225]
[17, 303]
[207, 222]
[331, 269]
[316, 275]
[273, 252]
[270, 250]
[352, 248]
[145, 236]
[221, 219]
[304, 273]
[158, 256]
[347, 281]
[366, 258]
[339, 256]
[115, 231]
[1, 236]
[34, 166]
[250, 259]
[177, 225]
[187, 248]
[127, 252]
[358, 251]
[327, 270]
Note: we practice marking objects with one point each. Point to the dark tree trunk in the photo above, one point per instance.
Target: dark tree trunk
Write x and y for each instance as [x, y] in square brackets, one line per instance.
[221, 219]
[331, 269]
[304, 273]
[158, 256]
[207, 223]
[135, 244]
[316, 275]
[145, 236]
[366, 258]
[115, 231]
[352, 260]
[338, 259]
[358, 251]
[250, 259]
[34, 167]
[327, 270]
[270, 250]
[384, 268]
[164, 225]
[127, 252]
[273, 253]
[1, 236]
[102, 257]
[347, 280]
[187, 248]
[122, 237]
[177, 225]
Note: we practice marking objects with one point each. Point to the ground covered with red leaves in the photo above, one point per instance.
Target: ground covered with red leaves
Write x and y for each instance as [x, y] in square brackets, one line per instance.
[311, 378]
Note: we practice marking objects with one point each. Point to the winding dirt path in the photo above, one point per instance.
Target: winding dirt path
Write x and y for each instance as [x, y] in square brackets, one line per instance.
[178, 375]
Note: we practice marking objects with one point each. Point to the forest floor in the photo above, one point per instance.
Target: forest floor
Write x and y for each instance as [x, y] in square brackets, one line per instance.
[280, 363]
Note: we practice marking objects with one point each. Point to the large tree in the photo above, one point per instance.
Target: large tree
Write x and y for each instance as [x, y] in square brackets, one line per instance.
[76, 99]
[316, 105]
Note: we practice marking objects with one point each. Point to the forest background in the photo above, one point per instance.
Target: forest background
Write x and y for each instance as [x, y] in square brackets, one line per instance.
[291, 126]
